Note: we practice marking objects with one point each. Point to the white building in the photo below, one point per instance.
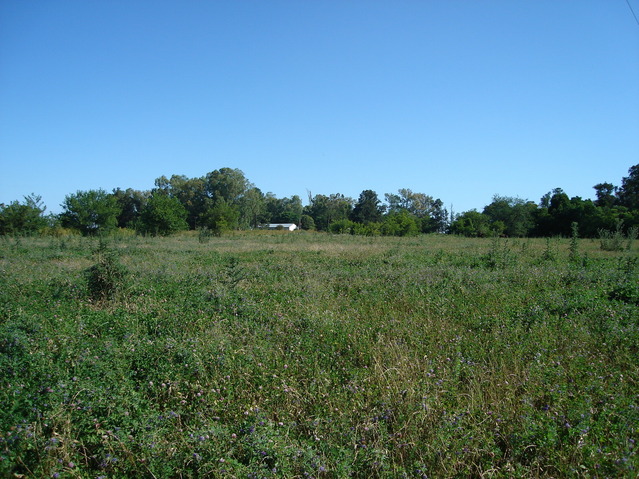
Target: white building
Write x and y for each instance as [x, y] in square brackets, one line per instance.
[282, 226]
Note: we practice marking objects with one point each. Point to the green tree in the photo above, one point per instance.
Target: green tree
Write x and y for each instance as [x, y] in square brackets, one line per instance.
[190, 191]
[430, 211]
[471, 223]
[131, 202]
[400, 223]
[327, 209]
[162, 215]
[605, 195]
[23, 218]
[511, 216]
[283, 210]
[307, 222]
[628, 193]
[227, 184]
[343, 226]
[221, 217]
[555, 218]
[368, 208]
[90, 212]
[226, 189]
[252, 208]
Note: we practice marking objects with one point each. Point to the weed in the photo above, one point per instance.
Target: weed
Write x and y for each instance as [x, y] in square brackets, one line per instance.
[204, 234]
[317, 355]
[574, 242]
[499, 256]
[107, 278]
[616, 240]
[549, 252]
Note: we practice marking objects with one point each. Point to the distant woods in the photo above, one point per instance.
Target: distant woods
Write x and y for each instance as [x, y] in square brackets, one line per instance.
[225, 200]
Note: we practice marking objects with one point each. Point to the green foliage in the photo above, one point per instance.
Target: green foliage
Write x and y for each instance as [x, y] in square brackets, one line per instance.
[549, 252]
[253, 209]
[327, 209]
[283, 210]
[220, 218]
[511, 216]
[131, 203]
[574, 242]
[368, 229]
[429, 211]
[318, 355]
[401, 223]
[500, 255]
[91, 212]
[307, 222]
[162, 215]
[368, 208]
[226, 184]
[628, 193]
[107, 278]
[617, 240]
[24, 218]
[471, 224]
[342, 227]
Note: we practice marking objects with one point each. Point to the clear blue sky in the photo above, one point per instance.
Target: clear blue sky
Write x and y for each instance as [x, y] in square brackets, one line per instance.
[457, 99]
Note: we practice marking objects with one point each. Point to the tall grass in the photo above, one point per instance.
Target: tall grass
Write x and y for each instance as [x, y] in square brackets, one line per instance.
[310, 355]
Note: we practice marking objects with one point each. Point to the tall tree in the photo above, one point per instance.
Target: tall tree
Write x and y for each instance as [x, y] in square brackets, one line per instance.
[629, 191]
[22, 218]
[430, 211]
[162, 215]
[90, 212]
[326, 209]
[368, 208]
[471, 223]
[400, 223]
[252, 208]
[221, 217]
[516, 215]
[192, 194]
[283, 210]
[605, 194]
[228, 184]
[131, 202]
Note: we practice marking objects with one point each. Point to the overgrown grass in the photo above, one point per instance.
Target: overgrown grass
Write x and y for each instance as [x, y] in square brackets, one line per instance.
[311, 355]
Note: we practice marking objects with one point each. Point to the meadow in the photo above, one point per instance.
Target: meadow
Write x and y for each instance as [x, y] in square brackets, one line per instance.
[304, 355]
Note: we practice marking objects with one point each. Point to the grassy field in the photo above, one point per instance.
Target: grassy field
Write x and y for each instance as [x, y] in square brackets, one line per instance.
[310, 355]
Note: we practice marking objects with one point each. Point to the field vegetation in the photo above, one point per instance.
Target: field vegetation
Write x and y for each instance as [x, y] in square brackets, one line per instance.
[276, 354]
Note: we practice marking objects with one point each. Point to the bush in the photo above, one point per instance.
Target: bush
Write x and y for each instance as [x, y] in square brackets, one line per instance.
[162, 215]
[616, 240]
[307, 222]
[106, 279]
[341, 227]
[368, 229]
[400, 224]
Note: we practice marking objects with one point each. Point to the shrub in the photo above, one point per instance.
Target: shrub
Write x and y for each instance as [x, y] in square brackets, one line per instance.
[614, 240]
[341, 227]
[307, 222]
[400, 224]
[107, 278]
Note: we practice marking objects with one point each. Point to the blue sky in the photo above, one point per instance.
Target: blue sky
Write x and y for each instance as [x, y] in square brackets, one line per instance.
[457, 99]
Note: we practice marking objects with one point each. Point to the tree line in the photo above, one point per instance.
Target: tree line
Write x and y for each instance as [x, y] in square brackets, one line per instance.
[225, 200]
